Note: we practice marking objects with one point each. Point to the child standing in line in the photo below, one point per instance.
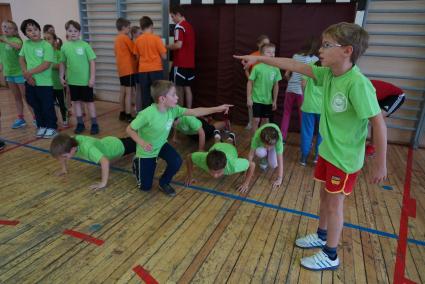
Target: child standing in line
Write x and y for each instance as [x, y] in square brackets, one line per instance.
[150, 130]
[12, 43]
[262, 88]
[36, 57]
[126, 66]
[261, 40]
[294, 92]
[349, 102]
[151, 50]
[310, 117]
[197, 128]
[58, 90]
[221, 159]
[77, 59]
[98, 151]
[267, 145]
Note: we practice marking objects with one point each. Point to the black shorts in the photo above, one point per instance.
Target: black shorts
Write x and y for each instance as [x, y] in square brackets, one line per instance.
[129, 145]
[182, 76]
[391, 104]
[81, 93]
[262, 110]
[128, 81]
[208, 129]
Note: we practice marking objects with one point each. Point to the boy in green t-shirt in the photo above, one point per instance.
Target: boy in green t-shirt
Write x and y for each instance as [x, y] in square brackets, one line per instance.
[267, 144]
[98, 151]
[349, 102]
[77, 59]
[262, 88]
[150, 130]
[221, 159]
[35, 58]
[196, 128]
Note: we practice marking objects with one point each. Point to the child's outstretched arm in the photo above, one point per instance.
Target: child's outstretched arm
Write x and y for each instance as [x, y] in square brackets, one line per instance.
[279, 62]
[201, 139]
[244, 186]
[104, 165]
[201, 111]
[379, 171]
[278, 181]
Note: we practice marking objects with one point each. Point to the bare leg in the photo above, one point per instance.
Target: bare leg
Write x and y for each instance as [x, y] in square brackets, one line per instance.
[92, 109]
[122, 98]
[188, 96]
[323, 220]
[18, 99]
[250, 117]
[219, 125]
[127, 101]
[335, 218]
[256, 121]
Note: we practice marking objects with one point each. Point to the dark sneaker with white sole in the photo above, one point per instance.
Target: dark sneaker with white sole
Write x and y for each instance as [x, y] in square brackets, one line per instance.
[167, 189]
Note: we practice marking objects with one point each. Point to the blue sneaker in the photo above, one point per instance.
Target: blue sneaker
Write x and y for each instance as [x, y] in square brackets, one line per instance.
[80, 128]
[19, 123]
[94, 129]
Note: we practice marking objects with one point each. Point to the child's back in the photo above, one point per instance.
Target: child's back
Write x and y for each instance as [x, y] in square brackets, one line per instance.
[123, 48]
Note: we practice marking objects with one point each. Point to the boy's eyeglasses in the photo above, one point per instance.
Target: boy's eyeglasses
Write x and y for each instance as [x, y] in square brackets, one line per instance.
[326, 45]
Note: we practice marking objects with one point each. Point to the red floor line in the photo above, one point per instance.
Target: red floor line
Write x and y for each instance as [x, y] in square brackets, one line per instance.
[408, 210]
[60, 129]
[84, 237]
[9, 222]
[144, 275]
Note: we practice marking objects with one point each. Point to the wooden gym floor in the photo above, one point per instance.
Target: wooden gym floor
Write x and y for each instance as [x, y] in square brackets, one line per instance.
[208, 233]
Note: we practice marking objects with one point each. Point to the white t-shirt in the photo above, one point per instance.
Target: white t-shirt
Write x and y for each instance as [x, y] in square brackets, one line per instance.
[294, 83]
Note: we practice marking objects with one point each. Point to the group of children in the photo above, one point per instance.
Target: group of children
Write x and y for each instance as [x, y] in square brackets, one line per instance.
[334, 90]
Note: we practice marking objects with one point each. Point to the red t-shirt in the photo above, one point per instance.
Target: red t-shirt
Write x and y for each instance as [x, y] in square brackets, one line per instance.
[384, 89]
[185, 56]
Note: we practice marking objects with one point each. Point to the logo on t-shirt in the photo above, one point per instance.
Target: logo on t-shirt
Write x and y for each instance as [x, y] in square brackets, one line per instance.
[8, 47]
[339, 102]
[39, 52]
[272, 75]
[169, 124]
[79, 51]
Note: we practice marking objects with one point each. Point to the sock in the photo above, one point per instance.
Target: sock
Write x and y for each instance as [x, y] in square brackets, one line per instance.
[80, 120]
[322, 234]
[20, 116]
[93, 120]
[330, 252]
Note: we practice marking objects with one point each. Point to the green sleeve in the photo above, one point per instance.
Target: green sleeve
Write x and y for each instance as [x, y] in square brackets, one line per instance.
[363, 98]
[278, 76]
[178, 111]
[200, 160]
[94, 155]
[240, 165]
[320, 74]
[22, 51]
[140, 121]
[195, 124]
[253, 74]
[90, 53]
[48, 53]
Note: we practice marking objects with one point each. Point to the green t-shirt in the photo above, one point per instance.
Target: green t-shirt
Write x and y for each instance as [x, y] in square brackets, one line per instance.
[313, 96]
[36, 53]
[349, 100]
[264, 77]
[189, 125]
[94, 149]
[10, 57]
[55, 72]
[256, 140]
[77, 56]
[2, 44]
[154, 127]
[233, 165]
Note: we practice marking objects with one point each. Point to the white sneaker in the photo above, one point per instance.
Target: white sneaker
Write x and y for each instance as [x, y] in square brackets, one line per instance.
[248, 126]
[319, 261]
[310, 241]
[40, 132]
[50, 133]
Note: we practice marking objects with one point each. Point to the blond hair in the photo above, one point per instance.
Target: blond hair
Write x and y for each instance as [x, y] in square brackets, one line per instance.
[349, 34]
[160, 88]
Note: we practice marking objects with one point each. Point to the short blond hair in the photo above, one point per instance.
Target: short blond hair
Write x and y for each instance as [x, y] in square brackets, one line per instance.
[349, 34]
[160, 88]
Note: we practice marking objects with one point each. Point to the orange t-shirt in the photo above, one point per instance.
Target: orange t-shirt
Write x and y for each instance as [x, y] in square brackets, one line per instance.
[123, 48]
[149, 48]
[255, 53]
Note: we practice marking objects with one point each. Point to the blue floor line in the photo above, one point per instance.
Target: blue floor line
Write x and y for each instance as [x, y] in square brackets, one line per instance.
[240, 198]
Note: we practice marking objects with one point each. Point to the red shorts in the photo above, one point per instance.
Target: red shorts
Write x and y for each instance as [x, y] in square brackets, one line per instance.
[336, 180]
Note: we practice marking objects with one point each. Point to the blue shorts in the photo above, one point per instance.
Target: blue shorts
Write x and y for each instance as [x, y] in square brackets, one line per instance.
[16, 79]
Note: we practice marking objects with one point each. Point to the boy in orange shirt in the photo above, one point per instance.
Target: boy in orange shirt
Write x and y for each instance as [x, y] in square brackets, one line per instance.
[126, 66]
[151, 50]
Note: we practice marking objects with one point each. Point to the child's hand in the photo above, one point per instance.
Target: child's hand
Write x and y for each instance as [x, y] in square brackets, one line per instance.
[249, 102]
[274, 106]
[26, 75]
[277, 182]
[247, 60]
[147, 147]
[97, 186]
[63, 82]
[379, 173]
[91, 82]
[243, 187]
[31, 81]
[224, 108]
[189, 180]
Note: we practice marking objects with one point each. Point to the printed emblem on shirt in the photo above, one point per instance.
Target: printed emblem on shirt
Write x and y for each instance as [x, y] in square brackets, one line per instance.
[272, 75]
[169, 124]
[39, 52]
[79, 51]
[335, 180]
[8, 47]
[339, 102]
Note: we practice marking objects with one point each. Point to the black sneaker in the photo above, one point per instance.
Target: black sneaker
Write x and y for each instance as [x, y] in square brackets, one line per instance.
[122, 116]
[80, 128]
[94, 129]
[2, 145]
[167, 189]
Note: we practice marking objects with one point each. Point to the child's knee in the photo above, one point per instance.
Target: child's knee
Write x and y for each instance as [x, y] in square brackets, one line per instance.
[261, 152]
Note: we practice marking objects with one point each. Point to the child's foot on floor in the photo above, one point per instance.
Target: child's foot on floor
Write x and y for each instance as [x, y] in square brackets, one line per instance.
[167, 189]
[310, 241]
[320, 261]
[18, 123]
[94, 129]
[80, 128]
